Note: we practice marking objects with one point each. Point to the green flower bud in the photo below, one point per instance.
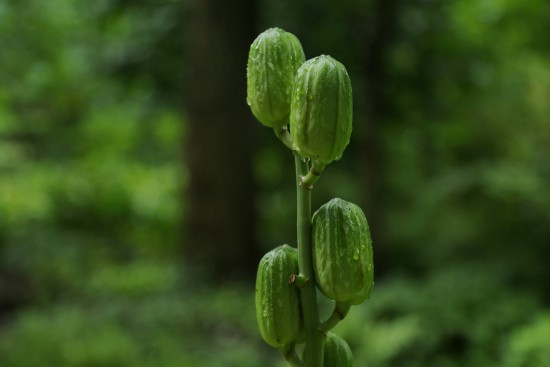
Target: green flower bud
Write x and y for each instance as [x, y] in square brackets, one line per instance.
[342, 252]
[274, 58]
[321, 109]
[278, 309]
[337, 352]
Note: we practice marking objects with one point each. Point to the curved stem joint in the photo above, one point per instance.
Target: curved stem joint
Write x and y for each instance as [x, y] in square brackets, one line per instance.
[292, 357]
[341, 309]
[313, 175]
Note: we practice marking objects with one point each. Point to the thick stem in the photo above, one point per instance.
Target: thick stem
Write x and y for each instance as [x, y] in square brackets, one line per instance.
[340, 311]
[283, 135]
[313, 175]
[314, 338]
[292, 357]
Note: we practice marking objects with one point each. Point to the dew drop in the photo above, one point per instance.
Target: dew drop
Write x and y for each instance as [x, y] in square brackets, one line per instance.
[356, 254]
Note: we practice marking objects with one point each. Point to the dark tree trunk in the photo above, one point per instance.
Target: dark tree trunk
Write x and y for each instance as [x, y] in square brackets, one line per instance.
[378, 38]
[219, 224]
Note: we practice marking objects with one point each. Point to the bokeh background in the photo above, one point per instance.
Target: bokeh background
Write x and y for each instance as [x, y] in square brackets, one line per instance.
[137, 192]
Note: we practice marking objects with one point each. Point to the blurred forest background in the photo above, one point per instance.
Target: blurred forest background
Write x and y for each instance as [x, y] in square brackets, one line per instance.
[137, 192]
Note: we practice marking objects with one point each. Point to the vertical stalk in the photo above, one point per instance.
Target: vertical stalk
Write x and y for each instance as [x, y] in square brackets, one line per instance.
[314, 339]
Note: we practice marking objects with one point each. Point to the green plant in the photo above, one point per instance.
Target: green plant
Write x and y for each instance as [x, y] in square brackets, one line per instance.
[335, 250]
[337, 352]
[342, 252]
[278, 302]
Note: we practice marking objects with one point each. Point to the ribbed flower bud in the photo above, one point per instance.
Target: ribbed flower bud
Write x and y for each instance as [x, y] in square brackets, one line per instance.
[321, 109]
[342, 252]
[274, 58]
[278, 307]
[337, 352]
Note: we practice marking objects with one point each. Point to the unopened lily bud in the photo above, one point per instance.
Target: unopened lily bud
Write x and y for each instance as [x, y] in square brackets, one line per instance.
[274, 58]
[321, 109]
[337, 352]
[342, 252]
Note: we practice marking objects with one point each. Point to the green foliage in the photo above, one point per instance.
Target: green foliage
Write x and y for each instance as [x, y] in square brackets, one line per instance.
[124, 321]
[91, 179]
[529, 345]
[455, 317]
[91, 162]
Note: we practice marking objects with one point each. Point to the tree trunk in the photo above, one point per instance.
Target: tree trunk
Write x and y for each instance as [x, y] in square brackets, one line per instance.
[219, 225]
[377, 40]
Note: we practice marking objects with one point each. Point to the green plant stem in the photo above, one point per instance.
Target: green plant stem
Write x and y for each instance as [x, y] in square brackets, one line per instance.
[313, 175]
[340, 311]
[292, 357]
[284, 136]
[314, 338]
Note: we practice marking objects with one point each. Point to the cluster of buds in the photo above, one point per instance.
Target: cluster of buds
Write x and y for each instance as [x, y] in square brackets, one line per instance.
[309, 105]
[313, 96]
